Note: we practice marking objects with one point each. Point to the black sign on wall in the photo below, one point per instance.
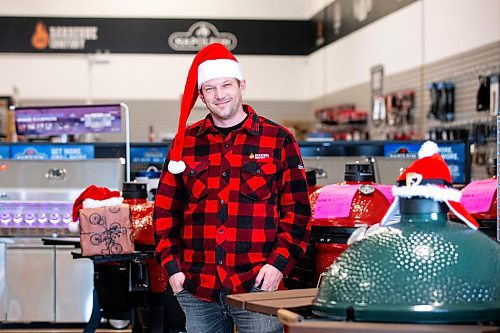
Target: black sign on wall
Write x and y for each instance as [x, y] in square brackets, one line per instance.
[343, 17]
[129, 35]
[88, 35]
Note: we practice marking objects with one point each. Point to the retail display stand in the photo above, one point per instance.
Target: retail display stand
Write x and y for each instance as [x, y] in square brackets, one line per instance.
[293, 309]
[296, 323]
[96, 315]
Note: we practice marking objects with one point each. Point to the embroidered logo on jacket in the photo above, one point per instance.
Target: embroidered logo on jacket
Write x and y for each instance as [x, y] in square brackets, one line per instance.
[258, 156]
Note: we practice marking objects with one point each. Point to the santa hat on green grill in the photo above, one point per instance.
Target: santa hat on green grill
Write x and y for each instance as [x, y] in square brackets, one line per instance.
[429, 177]
[212, 62]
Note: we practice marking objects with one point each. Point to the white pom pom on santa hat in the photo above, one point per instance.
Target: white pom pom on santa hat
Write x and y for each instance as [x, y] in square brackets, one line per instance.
[427, 149]
[176, 167]
[74, 227]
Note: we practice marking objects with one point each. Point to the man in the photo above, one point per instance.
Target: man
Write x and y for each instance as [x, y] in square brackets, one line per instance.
[232, 213]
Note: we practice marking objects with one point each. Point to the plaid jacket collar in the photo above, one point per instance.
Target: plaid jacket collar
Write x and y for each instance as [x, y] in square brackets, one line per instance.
[251, 125]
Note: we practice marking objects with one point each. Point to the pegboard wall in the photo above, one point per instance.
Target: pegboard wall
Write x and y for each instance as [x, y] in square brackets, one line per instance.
[463, 70]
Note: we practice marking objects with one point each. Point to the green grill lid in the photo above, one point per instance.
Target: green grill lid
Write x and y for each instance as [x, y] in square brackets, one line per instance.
[424, 269]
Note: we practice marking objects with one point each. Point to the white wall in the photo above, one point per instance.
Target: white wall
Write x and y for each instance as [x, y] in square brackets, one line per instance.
[235, 9]
[154, 77]
[421, 33]
[140, 76]
[394, 41]
[455, 26]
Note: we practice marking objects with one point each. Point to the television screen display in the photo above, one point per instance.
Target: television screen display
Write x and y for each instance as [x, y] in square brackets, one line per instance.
[58, 120]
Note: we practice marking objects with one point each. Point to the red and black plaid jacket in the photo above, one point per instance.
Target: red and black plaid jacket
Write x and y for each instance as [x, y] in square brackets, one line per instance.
[242, 202]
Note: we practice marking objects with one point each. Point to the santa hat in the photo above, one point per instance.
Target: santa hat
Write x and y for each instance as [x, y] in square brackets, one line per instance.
[93, 197]
[429, 177]
[212, 62]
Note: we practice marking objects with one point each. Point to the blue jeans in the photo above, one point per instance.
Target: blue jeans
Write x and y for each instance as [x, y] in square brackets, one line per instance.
[218, 317]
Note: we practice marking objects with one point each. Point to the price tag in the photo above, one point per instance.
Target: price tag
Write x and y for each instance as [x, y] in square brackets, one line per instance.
[335, 201]
[478, 195]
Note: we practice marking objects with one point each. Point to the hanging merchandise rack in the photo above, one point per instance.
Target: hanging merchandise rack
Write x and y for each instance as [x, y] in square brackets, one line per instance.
[465, 76]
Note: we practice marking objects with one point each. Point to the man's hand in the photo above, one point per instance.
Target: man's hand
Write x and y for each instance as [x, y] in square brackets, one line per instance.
[177, 281]
[270, 277]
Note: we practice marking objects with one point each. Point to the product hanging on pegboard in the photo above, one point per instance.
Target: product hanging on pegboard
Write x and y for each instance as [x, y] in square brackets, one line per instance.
[341, 122]
[396, 111]
[483, 94]
[379, 111]
[396, 108]
[442, 96]
[494, 94]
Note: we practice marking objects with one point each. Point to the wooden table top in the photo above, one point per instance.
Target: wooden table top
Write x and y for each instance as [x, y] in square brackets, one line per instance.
[288, 305]
[269, 302]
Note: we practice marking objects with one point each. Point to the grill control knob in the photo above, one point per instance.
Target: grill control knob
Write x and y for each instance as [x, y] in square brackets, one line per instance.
[18, 218]
[5, 218]
[29, 218]
[42, 218]
[54, 218]
[67, 218]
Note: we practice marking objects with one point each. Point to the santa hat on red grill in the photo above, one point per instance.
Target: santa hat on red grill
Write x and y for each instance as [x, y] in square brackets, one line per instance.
[429, 177]
[212, 62]
[93, 197]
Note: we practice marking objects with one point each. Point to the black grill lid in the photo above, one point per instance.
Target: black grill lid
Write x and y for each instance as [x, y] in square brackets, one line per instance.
[359, 172]
[132, 190]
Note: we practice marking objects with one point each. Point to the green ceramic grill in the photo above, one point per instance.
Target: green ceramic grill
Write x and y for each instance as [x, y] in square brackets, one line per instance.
[424, 269]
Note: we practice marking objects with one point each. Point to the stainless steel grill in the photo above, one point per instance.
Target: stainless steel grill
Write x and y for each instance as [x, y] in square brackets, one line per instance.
[43, 283]
[36, 197]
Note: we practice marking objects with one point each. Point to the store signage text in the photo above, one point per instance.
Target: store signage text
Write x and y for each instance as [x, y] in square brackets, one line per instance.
[200, 34]
[148, 154]
[170, 36]
[62, 37]
[53, 152]
[453, 154]
[68, 120]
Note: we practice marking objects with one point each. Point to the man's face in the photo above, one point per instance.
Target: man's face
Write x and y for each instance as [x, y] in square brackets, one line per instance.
[223, 97]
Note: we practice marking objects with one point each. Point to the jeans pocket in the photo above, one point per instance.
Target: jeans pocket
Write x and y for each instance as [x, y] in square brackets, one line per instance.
[255, 289]
[180, 292]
